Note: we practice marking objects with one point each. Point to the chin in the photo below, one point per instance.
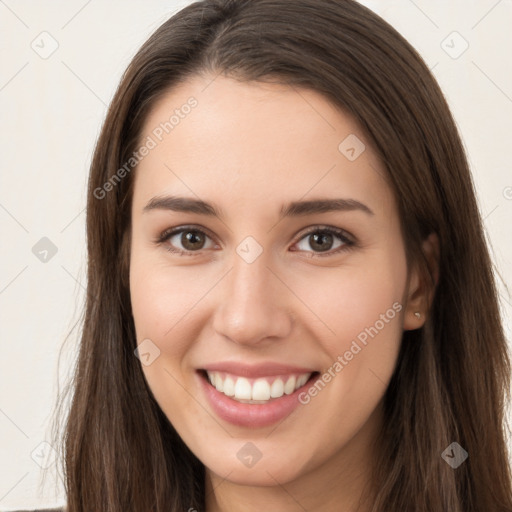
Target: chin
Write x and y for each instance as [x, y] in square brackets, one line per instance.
[276, 468]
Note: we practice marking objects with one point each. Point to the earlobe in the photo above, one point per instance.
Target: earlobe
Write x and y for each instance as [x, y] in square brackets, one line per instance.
[422, 287]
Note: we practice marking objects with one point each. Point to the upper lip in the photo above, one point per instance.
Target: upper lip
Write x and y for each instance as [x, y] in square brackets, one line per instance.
[265, 369]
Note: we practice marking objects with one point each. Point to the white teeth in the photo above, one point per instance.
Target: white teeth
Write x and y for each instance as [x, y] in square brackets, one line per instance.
[218, 382]
[243, 389]
[277, 389]
[289, 387]
[228, 386]
[261, 390]
[257, 390]
[301, 381]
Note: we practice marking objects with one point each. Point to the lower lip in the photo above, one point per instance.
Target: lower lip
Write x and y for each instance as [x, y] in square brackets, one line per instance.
[251, 415]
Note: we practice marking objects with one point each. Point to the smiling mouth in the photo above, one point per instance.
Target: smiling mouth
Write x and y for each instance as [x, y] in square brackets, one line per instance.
[262, 390]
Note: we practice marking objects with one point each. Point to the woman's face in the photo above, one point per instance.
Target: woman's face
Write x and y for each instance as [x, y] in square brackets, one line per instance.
[264, 297]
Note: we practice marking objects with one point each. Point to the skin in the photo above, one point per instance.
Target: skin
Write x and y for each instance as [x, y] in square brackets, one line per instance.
[249, 148]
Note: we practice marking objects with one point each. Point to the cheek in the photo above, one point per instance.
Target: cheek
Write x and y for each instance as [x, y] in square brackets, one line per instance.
[360, 328]
[162, 305]
[166, 307]
[161, 297]
[349, 301]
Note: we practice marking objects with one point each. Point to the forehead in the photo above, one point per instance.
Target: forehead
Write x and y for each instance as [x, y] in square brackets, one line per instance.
[255, 144]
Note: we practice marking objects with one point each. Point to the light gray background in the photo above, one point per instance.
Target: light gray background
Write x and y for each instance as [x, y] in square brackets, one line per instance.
[51, 112]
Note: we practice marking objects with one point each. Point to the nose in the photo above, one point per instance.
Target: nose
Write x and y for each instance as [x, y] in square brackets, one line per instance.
[254, 304]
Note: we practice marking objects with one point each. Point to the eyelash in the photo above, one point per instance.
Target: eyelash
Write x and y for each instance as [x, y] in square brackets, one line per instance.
[348, 244]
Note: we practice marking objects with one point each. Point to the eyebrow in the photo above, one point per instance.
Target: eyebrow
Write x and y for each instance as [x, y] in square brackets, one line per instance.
[293, 209]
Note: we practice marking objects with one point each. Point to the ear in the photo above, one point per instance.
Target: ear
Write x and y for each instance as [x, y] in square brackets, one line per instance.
[420, 292]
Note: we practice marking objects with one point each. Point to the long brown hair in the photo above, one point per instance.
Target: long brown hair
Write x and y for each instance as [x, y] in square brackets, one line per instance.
[451, 382]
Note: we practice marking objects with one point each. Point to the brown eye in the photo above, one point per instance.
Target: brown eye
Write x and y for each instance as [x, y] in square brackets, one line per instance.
[323, 240]
[192, 240]
[185, 241]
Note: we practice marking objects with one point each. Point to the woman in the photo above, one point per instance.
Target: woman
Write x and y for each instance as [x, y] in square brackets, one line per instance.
[290, 301]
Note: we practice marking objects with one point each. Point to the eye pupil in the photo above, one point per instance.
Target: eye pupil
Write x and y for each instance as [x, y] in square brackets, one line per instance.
[319, 241]
[189, 239]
